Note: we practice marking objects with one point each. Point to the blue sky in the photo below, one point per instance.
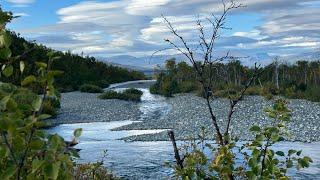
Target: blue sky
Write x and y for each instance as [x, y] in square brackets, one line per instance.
[135, 27]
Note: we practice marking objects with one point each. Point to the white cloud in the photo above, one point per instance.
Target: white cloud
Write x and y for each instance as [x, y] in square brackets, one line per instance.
[141, 7]
[136, 26]
[21, 14]
[21, 2]
[254, 34]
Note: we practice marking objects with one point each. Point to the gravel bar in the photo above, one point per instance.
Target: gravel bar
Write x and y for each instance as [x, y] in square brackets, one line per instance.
[189, 113]
[78, 107]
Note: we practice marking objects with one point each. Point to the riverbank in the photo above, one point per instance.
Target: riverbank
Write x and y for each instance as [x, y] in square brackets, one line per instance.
[189, 114]
[185, 114]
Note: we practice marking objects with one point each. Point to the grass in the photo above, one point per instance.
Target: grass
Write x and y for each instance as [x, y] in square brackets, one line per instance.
[127, 95]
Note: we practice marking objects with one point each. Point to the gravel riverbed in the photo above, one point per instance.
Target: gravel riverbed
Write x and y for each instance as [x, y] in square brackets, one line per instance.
[189, 113]
[186, 115]
[78, 107]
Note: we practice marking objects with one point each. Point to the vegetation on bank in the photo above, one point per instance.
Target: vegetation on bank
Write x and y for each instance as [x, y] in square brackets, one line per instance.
[296, 81]
[77, 69]
[127, 95]
[225, 158]
[26, 150]
[89, 88]
[176, 78]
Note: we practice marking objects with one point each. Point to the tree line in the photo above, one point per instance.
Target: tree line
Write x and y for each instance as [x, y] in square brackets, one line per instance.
[297, 80]
[77, 70]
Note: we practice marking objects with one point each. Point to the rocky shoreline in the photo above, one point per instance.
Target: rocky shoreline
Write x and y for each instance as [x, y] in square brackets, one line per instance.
[187, 115]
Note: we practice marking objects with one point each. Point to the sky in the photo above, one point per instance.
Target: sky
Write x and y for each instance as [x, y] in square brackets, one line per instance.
[135, 27]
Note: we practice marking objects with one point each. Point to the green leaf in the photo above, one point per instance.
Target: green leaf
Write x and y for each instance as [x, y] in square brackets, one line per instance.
[299, 153]
[5, 53]
[44, 116]
[28, 80]
[280, 153]
[8, 173]
[52, 170]
[255, 128]
[36, 164]
[36, 104]
[4, 101]
[8, 70]
[41, 65]
[22, 66]
[77, 132]
[291, 151]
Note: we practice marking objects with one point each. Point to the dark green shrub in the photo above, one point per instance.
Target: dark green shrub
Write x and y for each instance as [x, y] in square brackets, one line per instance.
[255, 90]
[188, 86]
[312, 94]
[225, 93]
[133, 91]
[103, 84]
[301, 87]
[270, 88]
[127, 95]
[154, 89]
[89, 88]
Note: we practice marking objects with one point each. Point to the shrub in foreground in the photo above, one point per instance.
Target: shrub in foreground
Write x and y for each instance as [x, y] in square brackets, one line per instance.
[89, 88]
[260, 161]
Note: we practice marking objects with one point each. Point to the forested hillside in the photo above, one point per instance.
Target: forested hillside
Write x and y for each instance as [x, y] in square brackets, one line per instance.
[77, 70]
[299, 80]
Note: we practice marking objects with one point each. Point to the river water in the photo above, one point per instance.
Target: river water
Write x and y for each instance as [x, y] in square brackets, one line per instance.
[145, 160]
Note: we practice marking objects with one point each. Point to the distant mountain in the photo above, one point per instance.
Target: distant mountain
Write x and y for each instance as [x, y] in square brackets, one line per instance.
[308, 56]
[148, 63]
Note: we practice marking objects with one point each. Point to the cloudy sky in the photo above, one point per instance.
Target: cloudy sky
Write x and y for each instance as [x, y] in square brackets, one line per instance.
[135, 27]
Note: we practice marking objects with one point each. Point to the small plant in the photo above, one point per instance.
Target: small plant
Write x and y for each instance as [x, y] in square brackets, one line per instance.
[93, 171]
[262, 161]
[89, 88]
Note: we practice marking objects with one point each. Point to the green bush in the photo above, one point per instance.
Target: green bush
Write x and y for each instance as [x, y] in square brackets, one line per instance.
[133, 91]
[154, 89]
[127, 95]
[270, 88]
[312, 94]
[188, 86]
[51, 106]
[89, 88]
[254, 90]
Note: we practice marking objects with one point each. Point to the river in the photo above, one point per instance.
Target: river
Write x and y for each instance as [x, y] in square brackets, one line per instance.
[145, 160]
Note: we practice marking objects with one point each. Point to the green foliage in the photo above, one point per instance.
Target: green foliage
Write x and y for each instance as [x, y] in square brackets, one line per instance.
[78, 70]
[230, 78]
[178, 78]
[265, 163]
[93, 171]
[89, 88]
[127, 95]
[260, 160]
[51, 106]
[26, 151]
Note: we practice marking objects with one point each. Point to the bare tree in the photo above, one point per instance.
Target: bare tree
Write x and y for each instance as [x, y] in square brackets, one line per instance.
[207, 64]
[206, 67]
[276, 71]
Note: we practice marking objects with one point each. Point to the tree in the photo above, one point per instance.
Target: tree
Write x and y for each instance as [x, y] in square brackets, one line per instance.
[276, 71]
[223, 164]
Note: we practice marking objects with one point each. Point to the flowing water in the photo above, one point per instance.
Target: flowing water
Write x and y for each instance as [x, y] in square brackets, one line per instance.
[145, 160]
